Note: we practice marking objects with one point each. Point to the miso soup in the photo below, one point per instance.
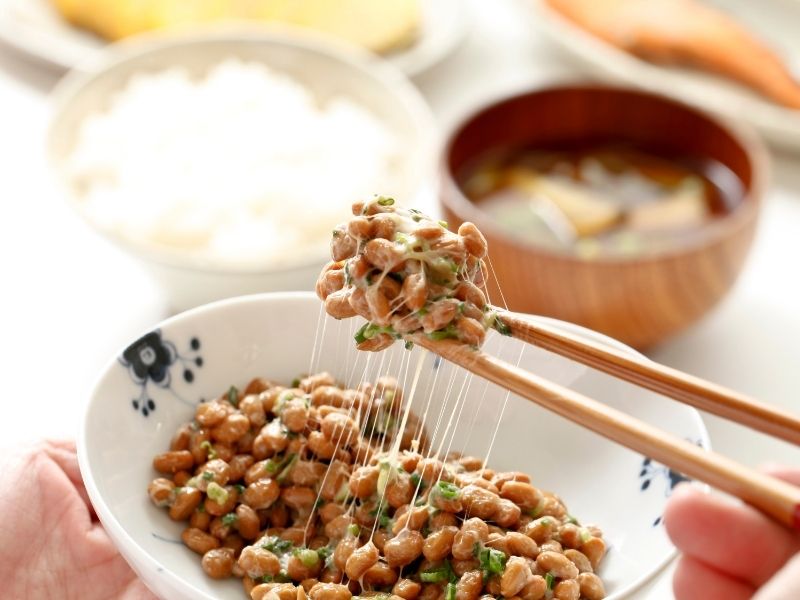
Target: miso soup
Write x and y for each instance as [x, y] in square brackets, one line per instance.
[600, 200]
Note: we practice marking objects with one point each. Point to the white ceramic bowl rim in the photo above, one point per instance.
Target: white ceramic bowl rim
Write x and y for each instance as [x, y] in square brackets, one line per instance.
[112, 523]
[143, 45]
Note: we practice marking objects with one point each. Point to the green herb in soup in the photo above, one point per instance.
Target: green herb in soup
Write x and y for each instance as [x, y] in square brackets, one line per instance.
[600, 200]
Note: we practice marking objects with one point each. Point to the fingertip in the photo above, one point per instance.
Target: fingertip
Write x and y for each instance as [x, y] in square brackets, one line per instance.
[692, 575]
[732, 537]
[788, 474]
[769, 466]
[61, 444]
[682, 507]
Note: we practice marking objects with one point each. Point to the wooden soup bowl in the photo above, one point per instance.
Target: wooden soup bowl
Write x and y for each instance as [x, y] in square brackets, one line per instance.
[642, 299]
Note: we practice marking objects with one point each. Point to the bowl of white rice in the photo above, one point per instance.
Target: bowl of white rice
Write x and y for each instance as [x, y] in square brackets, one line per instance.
[224, 158]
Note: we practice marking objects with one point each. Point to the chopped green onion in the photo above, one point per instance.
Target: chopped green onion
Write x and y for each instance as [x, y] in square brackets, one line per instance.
[239, 488]
[447, 490]
[382, 201]
[287, 469]
[283, 577]
[284, 397]
[343, 494]
[354, 530]
[360, 335]
[337, 233]
[326, 554]
[585, 536]
[437, 575]
[492, 561]
[229, 519]
[549, 580]
[308, 557]
[370, 330]
[450, 592]
[383, 425]
[501, 327]
[288, 463]
[409, 345]
[296, 382]
[417, 481]
[273, 466]
[386, 474]
[267, 579]
[212, 453]
[276, 545]
[444, 224]
[449, 332]
[233, 396]
[178, 491]
[208, 475]
[572, 520]
[348, 279]
[217, 493]
[534, 512]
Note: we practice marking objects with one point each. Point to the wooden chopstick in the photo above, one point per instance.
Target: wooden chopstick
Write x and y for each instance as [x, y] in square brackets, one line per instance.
[664, 380]
[772, 496]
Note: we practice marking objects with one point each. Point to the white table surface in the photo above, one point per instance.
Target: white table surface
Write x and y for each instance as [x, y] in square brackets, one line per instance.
[70, 300]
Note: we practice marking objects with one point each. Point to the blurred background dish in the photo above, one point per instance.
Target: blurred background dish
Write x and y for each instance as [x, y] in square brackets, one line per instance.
[618, 210]
[211, 186]
[413, 34]
[774, 22]
[378, 26]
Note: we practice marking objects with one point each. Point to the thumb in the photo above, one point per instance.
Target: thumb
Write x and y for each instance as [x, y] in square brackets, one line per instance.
[784, 585]
[788, 474]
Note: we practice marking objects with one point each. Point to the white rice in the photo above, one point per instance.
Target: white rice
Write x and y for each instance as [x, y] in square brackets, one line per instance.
[244, 167]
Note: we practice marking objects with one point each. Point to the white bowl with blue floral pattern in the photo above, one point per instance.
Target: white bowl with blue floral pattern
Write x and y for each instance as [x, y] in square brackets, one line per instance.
[153, 386]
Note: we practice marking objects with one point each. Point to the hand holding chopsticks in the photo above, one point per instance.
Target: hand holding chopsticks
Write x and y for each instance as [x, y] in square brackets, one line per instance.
[772, 496]
[412, 278]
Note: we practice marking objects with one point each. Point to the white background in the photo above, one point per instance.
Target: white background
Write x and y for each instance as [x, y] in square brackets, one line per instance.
[69, 300]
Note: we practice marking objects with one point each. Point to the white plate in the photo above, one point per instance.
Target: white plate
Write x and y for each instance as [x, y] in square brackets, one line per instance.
[775, 21]
[36, 28]
[273, 336]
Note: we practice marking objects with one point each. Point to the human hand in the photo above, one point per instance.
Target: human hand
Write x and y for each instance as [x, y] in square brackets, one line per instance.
[730, 550]
[51, 544]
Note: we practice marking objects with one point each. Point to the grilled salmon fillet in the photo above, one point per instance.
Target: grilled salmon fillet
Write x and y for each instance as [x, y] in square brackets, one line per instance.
[689, 33]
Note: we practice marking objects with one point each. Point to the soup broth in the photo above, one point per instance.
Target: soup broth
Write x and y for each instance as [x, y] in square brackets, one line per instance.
[600, 200]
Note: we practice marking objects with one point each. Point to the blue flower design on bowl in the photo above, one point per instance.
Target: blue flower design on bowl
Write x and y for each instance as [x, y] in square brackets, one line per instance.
[151, 359]
[651, 471]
